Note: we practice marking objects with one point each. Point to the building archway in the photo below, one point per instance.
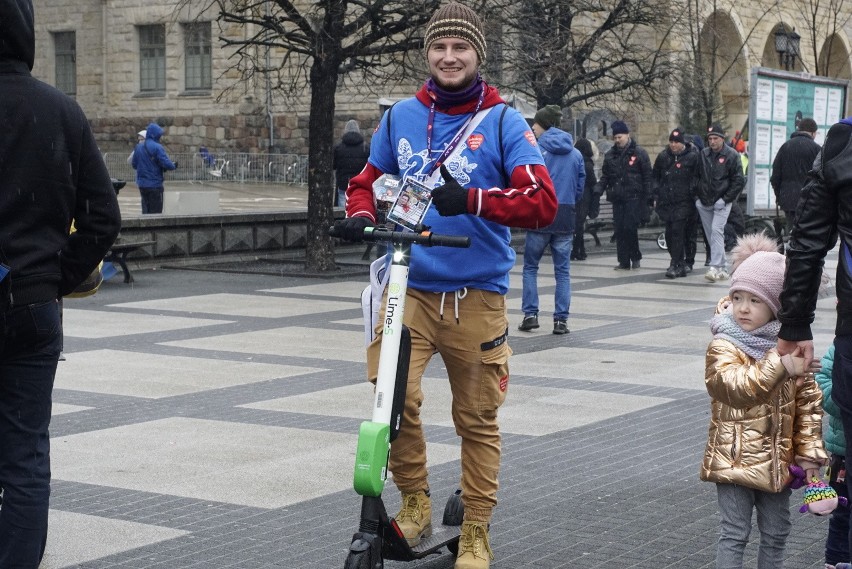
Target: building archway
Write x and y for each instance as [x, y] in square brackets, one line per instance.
[834, 63]
[723, 63]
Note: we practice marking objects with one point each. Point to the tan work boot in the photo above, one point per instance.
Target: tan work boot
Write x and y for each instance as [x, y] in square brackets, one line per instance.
[415, 517]
[474, 549]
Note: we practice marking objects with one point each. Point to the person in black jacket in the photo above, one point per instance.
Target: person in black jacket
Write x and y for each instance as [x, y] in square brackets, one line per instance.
[790, 168]
[589, 206]
[626, 178]
[676, 173]
[51, 173]
[824, 212]
[350, 157]
[722, 181]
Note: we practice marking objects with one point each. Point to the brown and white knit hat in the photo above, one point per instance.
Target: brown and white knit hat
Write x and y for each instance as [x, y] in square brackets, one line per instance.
[455, 20]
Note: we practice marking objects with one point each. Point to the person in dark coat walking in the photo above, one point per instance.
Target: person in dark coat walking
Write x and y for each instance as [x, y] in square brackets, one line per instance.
[350, 157]
[790, 168]
[676, 174]
[626, 178]
[51, 172]
[589, 206]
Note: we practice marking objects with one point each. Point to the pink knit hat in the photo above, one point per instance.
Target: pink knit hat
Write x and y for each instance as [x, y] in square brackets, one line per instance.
[758, 268]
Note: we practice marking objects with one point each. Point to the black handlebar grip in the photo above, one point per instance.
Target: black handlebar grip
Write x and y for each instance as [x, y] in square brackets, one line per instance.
[449, 240]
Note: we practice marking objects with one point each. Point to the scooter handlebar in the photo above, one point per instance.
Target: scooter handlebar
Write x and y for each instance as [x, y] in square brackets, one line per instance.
[425, 238]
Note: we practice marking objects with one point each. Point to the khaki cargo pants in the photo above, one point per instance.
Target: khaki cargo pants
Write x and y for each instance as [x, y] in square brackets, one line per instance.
[471, 338]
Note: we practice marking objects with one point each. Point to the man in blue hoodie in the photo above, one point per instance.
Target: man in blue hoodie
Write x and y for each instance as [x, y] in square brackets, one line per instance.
[568, 172]
[150, 161]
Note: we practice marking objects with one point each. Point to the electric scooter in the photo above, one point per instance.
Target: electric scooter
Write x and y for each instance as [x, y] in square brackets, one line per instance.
[378, 536]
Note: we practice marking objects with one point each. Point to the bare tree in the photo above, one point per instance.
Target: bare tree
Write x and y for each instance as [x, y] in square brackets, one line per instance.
[314, 45]
[823, 18]
[711, 57]
[585, 50]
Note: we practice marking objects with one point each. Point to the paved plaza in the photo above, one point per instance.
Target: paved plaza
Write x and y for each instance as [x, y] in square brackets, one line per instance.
[208, 420]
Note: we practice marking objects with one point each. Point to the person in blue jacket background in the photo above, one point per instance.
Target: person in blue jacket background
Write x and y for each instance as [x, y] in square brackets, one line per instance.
[150, 162]
[568, 172]
[837, 541]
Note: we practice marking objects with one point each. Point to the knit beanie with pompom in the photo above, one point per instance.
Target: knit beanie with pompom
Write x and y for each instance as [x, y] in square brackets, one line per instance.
[758, 268]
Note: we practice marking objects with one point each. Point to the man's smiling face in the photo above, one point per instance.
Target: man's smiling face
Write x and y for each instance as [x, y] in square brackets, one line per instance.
[453, 63]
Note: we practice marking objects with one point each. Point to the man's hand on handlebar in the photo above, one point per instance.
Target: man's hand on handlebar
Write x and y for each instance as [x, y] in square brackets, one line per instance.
[352, 228]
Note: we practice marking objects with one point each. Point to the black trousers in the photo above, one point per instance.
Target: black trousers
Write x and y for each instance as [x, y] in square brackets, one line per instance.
[625, 216]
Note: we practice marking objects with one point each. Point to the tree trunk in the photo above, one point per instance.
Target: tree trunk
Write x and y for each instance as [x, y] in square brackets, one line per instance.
[319, 252]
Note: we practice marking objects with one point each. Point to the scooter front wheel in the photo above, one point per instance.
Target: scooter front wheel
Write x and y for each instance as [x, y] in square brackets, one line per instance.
[361, 560]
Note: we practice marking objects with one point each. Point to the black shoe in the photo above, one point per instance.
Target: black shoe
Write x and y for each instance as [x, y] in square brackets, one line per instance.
[573, 257]
[671, 272]
[560, 327]
[621, 267]
[687, 268]
[680, 271]
[636, 264]
[581, 257]
[530, 322]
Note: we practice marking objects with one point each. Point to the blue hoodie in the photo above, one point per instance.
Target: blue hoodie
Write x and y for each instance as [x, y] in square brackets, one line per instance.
[150, 159]
[568, 172]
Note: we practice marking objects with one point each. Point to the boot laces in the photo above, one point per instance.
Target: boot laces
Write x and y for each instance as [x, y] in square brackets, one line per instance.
[410, 508]
[473, 538]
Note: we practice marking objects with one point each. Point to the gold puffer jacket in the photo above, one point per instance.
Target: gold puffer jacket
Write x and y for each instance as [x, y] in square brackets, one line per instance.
[760, 421]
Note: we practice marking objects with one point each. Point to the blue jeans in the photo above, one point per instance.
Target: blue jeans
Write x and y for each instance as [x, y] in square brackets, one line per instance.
[30, 340]
[560, 248]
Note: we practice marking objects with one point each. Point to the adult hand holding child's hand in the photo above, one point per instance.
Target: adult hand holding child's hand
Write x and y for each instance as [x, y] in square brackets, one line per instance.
[800, 367]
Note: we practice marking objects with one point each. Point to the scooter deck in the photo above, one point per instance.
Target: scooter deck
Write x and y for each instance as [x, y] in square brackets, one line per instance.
[441, 536]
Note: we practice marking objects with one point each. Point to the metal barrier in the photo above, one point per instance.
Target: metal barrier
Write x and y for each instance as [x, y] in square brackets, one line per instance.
[291, 169]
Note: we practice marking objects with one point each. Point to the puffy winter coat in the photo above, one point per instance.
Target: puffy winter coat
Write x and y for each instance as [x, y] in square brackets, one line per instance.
[760, 421]
[790, 169]
[835, 442]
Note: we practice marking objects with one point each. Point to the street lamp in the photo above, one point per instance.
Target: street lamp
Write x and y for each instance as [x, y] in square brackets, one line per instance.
[787, 46]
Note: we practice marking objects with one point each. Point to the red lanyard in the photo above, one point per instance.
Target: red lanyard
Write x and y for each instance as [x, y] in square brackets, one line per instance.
[430, 124]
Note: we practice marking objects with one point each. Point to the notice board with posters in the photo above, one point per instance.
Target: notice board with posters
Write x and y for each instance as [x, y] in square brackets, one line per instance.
[779, 100]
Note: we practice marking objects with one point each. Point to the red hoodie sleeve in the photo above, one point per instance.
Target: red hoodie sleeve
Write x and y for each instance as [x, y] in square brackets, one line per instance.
[360, 200]
[529, 202]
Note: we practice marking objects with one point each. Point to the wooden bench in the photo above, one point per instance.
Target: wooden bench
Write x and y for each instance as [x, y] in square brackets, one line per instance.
[118, 254]
[602, 222]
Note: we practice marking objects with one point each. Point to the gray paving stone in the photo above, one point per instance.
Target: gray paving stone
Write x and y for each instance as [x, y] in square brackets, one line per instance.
[614, 488]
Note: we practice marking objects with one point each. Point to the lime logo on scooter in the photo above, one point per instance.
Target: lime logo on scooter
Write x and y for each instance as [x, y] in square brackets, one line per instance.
[392, 306]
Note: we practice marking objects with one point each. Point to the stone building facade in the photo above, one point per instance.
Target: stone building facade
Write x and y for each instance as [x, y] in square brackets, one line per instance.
[129, 63]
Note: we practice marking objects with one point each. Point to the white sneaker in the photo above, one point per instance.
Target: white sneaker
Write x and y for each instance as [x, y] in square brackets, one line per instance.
[711, 275]
[722, 275]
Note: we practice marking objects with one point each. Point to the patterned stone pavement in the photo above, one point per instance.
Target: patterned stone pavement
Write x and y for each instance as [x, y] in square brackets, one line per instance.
[209, 420]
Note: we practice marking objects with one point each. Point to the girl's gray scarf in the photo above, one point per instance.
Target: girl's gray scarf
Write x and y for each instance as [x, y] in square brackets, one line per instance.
[755, 343]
